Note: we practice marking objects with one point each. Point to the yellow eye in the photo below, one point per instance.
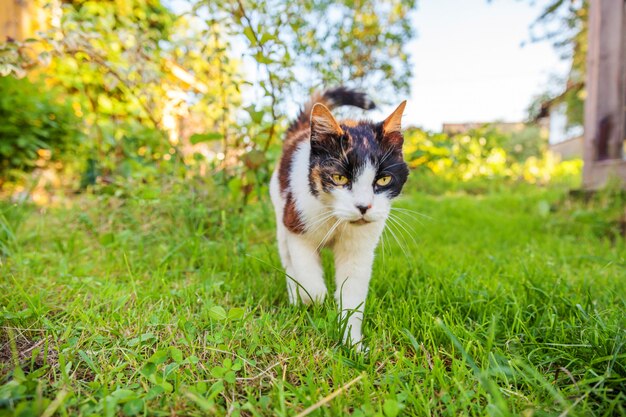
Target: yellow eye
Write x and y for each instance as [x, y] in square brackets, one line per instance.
[340, 179]
[382, 181]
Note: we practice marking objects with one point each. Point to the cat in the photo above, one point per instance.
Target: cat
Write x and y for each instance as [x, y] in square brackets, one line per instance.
[333, 188]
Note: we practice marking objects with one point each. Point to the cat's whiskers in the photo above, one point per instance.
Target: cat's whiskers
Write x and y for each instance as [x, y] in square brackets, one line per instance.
[327, 235]
[382, 245]
[322, 214]
[338, 161]
[406, 226]
[394, 165]
[393, 234]
[411, 211]
[343, 151]
[396, 221]
[386, 155]
[315, 226]
[399, 215]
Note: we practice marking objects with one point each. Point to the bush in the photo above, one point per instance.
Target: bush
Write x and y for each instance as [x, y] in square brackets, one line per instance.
[487, 154]
[35, 126]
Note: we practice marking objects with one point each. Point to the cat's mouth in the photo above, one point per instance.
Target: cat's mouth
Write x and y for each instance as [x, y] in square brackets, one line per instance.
[360, 221]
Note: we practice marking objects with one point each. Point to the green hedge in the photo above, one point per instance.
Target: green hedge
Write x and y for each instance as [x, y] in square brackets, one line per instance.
[35, 126]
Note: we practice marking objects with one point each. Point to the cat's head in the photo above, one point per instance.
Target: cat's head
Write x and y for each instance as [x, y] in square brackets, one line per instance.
[356, 168]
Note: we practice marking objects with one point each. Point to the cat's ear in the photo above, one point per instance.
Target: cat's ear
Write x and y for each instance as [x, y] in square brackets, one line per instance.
[323, 124]
[392, 127]
[393, 123]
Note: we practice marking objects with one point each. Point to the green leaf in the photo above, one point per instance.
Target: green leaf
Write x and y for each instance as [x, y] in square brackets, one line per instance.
[167, 387]
[133, 407]
[176, 354]
[216, 389]
[88, 361]
[137, 340]
[154, 392]
[230, 377]
[237, 365]
[170, 368]
[205, 137]
[256, 116]
[18, 374]
[202, 387]
[236, 313]
[217, 313]
[148, 370]
[392, 408]
[250, 35]
[263, 59]
[159, 356]
[122, 395]
[228, 363]
[203, 403]
[218, 371]
[267, 37]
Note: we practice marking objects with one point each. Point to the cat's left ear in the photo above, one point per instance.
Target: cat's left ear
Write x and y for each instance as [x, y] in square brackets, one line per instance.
[323, 124]
[392, 126]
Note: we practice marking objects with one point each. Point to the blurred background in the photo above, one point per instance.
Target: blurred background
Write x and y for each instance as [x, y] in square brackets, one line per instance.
[138, 270]
[113, 96]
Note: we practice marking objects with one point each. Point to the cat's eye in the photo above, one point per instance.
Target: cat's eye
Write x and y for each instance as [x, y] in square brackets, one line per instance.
[340, 179]
[382, 181]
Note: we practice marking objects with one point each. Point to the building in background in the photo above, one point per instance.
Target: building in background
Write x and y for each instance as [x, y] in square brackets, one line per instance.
[564, 140]
[462, 128]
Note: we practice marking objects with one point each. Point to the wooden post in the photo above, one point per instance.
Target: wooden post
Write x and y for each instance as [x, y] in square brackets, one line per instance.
[22, 19]
[605, 119]
[15, 19]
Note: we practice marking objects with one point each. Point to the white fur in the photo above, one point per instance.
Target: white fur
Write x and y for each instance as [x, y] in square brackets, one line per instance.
[328, 224]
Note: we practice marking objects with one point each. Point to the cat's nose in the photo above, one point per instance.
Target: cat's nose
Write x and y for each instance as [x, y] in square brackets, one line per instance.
[363, 209]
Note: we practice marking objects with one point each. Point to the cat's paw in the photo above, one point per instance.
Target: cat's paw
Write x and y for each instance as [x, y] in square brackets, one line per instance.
[361, 348]
[315, 295]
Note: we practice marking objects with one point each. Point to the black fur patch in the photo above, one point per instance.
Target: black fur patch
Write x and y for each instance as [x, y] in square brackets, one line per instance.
[335, 97]
[348, 154]
[341, 96]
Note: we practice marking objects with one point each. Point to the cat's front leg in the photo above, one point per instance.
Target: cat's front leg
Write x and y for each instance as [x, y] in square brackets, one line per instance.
[354, 257]
[307, 270]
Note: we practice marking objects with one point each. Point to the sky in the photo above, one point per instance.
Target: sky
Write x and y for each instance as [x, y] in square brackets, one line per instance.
[470, 65]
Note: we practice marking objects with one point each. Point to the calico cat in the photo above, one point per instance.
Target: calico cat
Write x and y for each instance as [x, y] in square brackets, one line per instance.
[333, 188]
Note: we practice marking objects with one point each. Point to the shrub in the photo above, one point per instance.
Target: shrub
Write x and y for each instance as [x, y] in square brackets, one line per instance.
[35, 126]
[487, 154]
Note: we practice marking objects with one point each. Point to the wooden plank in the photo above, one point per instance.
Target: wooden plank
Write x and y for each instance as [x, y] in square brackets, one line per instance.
[604, 106]
[19, 19]
[8, 20]
[603, 171]
[620, 137]
[593, 42]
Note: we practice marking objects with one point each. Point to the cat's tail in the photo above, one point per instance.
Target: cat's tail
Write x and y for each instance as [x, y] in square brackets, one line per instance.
[335, 97]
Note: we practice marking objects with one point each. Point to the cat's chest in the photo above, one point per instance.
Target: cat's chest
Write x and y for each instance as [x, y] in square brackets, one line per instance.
[322, 231]
[330, 230]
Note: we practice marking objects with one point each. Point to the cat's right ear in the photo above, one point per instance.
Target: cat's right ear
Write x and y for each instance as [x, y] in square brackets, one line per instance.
[323, 124]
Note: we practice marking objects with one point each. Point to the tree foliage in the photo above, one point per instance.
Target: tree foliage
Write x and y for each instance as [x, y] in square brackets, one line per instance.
[564, 23]
[36, 126]
[119, 62]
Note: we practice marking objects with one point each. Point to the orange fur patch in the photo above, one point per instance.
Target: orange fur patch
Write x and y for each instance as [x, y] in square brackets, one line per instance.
[291, 217]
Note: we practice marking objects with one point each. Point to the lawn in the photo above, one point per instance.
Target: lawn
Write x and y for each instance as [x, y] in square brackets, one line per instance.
[170, 300]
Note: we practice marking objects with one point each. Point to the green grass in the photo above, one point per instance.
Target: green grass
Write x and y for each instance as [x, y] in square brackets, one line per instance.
[172, 303]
